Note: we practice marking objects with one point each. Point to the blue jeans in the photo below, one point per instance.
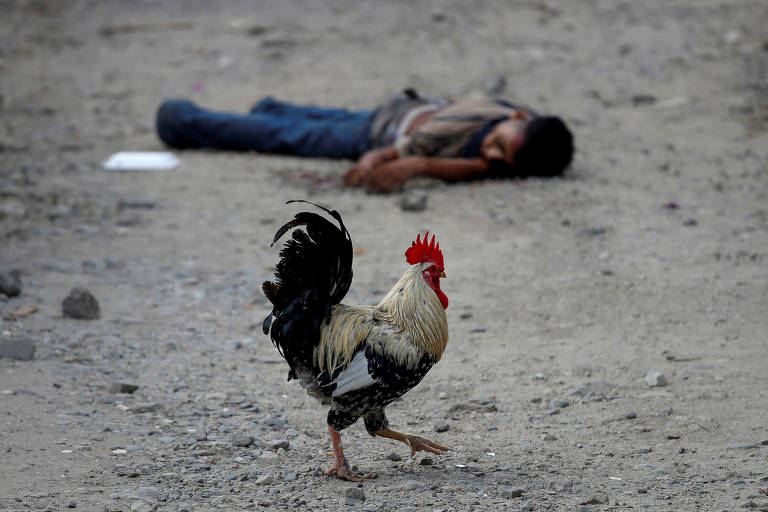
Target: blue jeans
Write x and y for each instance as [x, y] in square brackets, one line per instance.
[270, 127]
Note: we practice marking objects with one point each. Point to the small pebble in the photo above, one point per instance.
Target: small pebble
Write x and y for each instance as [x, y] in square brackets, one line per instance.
[282, 443]
[414, 201]
[426, 461]
[559, 403]
[122, 387]
[511, 492]
[242, 441]
[355, 493]
[10, 282]
[655, 378]
[442, 427]
[22, 349]
[81, 304]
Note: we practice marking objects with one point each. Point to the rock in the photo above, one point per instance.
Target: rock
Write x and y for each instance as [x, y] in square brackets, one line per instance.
[595, 500]
[559, 403]
[475, 405]
[655, 378]
[10, 282]
[265, 480]
[630, 415]
[291, 477]
[242, 441]
[22, 349]
[511, 492]
[414, 201]
[526, 507]
[122, 387]
[442, 427]
[71, 504]
[644, 449]
[426, 461]
[148, 407]
[282, 443]
[141, 506]
[81, 304]
[548, 437]
[410, 485]
[394, 456]
[355, 493]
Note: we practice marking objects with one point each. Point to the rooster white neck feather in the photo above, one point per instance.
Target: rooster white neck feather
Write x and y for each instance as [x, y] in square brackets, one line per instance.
[412, 305]
[410, 321]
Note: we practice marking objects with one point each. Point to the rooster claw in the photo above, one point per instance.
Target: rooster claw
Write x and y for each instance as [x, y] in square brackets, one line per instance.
[419, 444]
[342, 471]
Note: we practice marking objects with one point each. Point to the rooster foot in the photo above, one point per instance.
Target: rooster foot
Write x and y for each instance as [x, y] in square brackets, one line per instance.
[419, 444]
[415, 443]
[342, 471]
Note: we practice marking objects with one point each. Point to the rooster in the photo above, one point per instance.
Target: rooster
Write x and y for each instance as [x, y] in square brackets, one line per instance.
[356, 359]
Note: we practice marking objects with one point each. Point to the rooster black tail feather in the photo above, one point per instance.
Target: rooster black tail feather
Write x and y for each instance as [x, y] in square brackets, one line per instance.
[313, 274]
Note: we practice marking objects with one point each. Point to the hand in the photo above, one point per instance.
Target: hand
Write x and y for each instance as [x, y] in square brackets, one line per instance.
[356, 176]
[391, 175]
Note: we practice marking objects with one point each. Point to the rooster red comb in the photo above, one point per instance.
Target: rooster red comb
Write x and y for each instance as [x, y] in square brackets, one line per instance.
[421, 251]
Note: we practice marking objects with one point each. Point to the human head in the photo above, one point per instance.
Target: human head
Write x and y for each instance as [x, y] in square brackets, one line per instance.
[546, 149]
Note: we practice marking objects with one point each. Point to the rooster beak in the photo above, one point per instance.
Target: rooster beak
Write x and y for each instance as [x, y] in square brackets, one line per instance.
[442, 274]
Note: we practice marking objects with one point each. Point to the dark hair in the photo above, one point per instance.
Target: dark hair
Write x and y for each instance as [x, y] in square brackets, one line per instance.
[547, 148]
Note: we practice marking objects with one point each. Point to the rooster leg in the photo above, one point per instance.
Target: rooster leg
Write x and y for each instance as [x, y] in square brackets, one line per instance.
[415, 443]
[340, 467]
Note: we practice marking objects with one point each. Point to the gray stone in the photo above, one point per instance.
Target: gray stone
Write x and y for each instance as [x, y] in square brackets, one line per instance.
[291, 477]
[442, 427]
[414, 201]
[141, 506]
[22, 349]
[410, 485]
[655, 378]
[148, 407]
[630, 415]
[81, 304]
[122, 387]
[595, 500]
[242, 441]
[265, 480]
[394, 456]
[526, 507]
[282, 443]
[10, 282]
[548, 437]
[426, 461]
[511, 492]
[475, 405]
[559, 403]
[644, 449]
[355, 493]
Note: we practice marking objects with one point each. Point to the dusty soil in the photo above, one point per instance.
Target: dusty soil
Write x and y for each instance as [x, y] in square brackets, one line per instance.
[650, 254]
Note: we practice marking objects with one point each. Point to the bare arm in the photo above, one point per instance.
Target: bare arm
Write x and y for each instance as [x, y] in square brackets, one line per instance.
[370, 160]
[388, 176]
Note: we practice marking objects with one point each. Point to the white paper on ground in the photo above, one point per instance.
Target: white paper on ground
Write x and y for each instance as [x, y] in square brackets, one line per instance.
[141, 161]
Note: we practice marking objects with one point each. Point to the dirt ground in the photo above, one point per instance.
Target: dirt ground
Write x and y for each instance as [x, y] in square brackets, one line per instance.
[650, 254]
